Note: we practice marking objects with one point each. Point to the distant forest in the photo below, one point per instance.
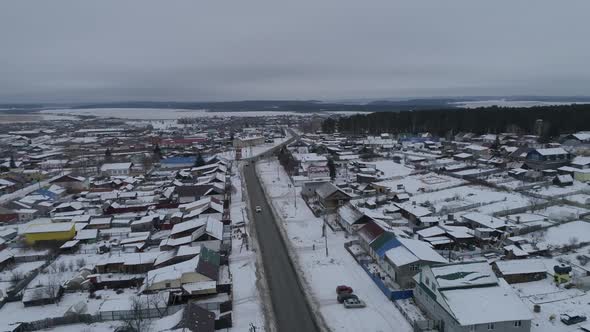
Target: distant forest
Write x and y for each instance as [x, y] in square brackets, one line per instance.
[556, 120]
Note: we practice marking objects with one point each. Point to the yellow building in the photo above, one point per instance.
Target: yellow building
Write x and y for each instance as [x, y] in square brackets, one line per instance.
[60, 232]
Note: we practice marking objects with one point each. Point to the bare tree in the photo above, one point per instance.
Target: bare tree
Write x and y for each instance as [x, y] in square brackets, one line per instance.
[159, 302]
[80, 262]
[16, 276]
[534, 203]
[537, 237]
[573, 241]
[52, 286]
[137, 319]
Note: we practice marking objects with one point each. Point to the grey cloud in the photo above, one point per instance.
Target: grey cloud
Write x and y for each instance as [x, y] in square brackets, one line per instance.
[69, 50]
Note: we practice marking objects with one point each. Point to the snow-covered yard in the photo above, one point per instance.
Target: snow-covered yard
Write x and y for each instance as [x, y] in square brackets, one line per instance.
[64, 268]
[485, 199]
[553, 301]
[17, 271]
[565, 234]
[392, 169]
[13, 312]
[323, 273]
[414, 184]
[553, 190]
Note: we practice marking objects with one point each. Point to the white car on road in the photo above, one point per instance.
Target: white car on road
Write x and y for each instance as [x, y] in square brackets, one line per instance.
[258, 208]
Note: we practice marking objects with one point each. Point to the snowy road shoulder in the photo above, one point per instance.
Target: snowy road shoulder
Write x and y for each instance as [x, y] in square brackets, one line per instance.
[323, 273]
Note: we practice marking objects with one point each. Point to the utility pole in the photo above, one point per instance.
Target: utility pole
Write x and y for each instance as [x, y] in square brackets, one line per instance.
[295, 196]
[325, 234]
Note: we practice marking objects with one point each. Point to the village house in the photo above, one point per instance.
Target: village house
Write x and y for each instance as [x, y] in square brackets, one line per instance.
[516, 271]
[330, 197]
[116, 169]
[244, 142]
[351, 219]
[71, 183]
[452, 293]
[54, 232]
[201, 272]
[407, 258]
[550, 158]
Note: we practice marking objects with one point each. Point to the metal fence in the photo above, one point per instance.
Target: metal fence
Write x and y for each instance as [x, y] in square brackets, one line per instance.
[121, 315]
[144, 313]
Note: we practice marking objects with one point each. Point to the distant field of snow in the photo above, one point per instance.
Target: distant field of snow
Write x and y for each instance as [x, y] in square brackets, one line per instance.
[32, 117]
[161, 113]
[512, 103]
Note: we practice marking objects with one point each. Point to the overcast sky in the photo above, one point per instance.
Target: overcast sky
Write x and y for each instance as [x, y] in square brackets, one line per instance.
[111, 50]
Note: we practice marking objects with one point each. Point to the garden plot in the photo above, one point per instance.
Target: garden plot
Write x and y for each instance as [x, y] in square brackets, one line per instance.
[415, 184]
[471, 197]
[563, 234]
[554, 301]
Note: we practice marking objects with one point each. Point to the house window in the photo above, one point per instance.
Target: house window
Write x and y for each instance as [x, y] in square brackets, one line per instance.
[518, 323]
[427, 281]
[491, 326]
[472, 328]
[414, 267]
[168, 285]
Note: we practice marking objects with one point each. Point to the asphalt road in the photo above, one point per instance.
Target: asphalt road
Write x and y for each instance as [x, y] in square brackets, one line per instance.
[291, 310]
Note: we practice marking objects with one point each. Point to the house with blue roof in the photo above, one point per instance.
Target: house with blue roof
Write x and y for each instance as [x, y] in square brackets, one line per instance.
[178, 162]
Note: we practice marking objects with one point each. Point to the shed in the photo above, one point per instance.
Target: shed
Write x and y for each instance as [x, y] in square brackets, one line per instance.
[522, 270]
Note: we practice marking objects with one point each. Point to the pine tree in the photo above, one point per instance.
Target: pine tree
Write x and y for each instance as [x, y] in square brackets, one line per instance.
[332, 168]
[108, 154]
[157, 152]
[199, 161]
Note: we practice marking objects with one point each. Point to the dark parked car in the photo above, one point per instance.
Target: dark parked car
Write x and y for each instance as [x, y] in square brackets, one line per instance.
[343, 289]
[345, 296]
[125, 329]
[354, 303]
[571, 319]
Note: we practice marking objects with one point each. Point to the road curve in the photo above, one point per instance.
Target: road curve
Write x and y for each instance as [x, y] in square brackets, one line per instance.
[291, 310]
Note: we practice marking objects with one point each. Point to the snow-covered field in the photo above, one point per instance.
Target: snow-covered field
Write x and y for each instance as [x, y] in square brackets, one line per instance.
[490, 200]
[392, 169]
[323, 273]
[512, 103]
[161, 114]
[32, 117]
[247, 306]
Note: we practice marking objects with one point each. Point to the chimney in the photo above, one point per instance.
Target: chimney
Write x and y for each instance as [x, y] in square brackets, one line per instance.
[518, 219]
